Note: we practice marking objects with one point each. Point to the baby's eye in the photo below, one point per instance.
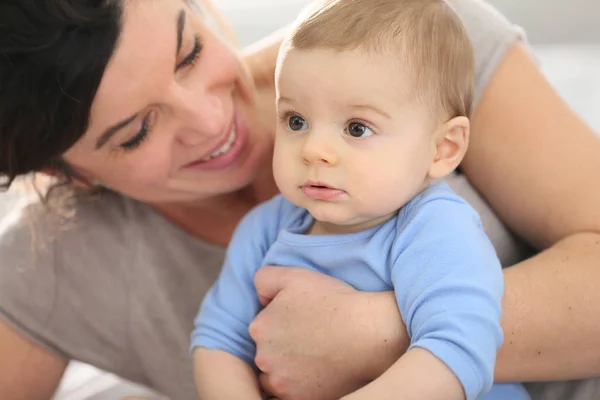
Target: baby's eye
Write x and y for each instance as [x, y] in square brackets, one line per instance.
[297, 123]
[358, 130]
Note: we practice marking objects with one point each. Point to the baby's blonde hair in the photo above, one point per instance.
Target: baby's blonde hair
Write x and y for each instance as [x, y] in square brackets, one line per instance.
[427, 35]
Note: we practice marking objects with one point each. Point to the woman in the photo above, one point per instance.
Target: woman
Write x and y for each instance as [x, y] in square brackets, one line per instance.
[145, 98]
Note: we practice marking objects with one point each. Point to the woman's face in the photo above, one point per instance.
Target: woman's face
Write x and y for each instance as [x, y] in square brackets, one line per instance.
[173, 118]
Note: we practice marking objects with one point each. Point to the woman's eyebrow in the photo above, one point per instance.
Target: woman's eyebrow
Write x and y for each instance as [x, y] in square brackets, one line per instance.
[110, 132]
[180, 27]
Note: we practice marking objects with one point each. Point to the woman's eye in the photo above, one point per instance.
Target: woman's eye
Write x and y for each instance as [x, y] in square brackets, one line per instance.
[358, 130]
[137, 140]
[142, 134]
[192, 57]
[297, 123]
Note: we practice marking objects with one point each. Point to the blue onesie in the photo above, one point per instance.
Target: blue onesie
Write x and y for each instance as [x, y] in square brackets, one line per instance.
[434, 254]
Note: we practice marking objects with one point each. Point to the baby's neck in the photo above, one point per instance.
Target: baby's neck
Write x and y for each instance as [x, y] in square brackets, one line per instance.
[327, 228]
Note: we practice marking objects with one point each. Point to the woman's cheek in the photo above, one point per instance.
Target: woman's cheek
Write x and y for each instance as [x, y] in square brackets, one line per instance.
[150, 166]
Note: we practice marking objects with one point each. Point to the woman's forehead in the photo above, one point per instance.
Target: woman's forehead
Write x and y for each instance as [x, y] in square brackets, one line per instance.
[143, 60]
[153, 34]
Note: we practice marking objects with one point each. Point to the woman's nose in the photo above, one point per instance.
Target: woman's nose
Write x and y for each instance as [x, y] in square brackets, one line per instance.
[204, 117]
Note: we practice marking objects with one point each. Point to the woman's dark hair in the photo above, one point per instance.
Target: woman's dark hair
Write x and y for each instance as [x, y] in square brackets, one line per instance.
[53, 54]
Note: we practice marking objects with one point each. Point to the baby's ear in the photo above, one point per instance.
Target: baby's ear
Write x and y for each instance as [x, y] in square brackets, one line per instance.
[451, 140]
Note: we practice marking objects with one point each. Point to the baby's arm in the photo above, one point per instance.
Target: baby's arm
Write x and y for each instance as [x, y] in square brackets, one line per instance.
[223, 350]
[417, 375]
[220, 375]
[448, 283]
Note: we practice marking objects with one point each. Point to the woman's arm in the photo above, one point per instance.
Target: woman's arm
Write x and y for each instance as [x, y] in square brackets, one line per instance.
[27, 371]
[538, 165]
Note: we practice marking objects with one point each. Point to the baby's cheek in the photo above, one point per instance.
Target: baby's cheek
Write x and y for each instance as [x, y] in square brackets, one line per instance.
[283, 163]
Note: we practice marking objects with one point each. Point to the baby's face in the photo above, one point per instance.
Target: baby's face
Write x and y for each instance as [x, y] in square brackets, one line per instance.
[351, 146]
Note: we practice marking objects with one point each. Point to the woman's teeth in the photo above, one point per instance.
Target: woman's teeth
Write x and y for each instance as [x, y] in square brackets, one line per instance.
[223, 149]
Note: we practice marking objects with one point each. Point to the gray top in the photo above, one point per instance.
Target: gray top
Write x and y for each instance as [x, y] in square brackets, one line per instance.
[117, 286]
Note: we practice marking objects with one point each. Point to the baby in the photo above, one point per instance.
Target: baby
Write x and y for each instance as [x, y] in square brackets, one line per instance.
[373, 98]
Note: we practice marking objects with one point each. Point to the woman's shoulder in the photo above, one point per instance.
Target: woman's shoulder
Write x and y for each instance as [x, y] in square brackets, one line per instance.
[491, 34]
[484, 21]
[39, 225]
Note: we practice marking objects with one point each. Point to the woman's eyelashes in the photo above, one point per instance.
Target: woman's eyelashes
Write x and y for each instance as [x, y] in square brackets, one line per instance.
[142, 134]
[192, 57]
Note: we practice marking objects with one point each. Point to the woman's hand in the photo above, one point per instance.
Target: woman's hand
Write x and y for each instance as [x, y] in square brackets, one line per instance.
[318, 338]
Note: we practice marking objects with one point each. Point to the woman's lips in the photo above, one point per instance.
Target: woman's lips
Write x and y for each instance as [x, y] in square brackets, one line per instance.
[222, 147]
